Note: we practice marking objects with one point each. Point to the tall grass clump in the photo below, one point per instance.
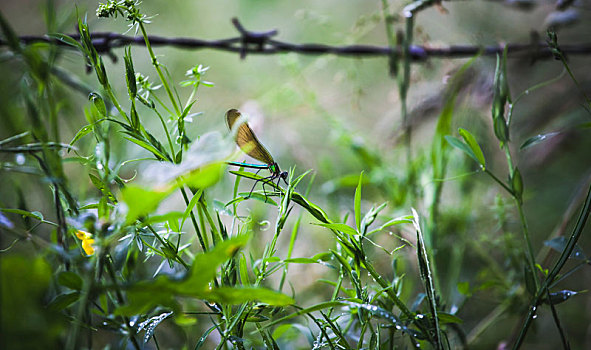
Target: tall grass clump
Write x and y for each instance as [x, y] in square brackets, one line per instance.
[131, 233]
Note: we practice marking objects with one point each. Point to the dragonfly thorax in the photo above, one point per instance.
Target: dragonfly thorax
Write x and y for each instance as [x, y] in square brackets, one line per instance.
[277, 173]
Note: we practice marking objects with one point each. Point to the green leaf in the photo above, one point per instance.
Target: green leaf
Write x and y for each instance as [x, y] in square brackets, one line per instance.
[147, 147]
[476, 150]
[324, 256]
[98, 103]
[246, 174]
[341, 228]
[457, 143]
[312, 208]
[538, 139]
[517, 184]
[70, 279]
[153, 141]
[313, 308]
[446, 318]
[130, 73]
[66, 39]
[501, 129]
[283, 330]
[358, 203]
[427, 276]
[243, 269]
[145, 295]
[150, 324]
[135, 120]
[64, 300]
[35, 214]
[154, 219]
[101, 72]
[190, 206]
[301, 260]
[81, 133]
[141, 202]
[103, 208]
[239, 295]
[407, 219]
[342, 261]
[106, 191]
[204, 176]
[499, 96]
[370, 217]
[203, 338]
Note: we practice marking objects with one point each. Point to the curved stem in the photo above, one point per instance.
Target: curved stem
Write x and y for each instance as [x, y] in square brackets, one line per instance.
[499, 181]
[158, 70]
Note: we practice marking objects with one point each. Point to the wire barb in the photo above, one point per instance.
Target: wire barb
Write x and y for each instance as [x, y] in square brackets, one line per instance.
[259, 39]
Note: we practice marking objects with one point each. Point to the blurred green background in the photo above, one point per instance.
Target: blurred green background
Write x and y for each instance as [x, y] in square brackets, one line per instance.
[338, 115]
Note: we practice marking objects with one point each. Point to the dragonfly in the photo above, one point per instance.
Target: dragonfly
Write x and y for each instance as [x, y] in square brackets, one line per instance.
[248, 142]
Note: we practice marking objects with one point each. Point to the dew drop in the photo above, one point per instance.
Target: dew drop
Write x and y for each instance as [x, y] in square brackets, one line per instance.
[20, 159]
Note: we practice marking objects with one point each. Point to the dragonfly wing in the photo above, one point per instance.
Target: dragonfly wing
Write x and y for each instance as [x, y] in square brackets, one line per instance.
[247, 140]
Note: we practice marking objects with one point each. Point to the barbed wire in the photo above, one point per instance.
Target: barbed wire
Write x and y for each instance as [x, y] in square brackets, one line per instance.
[262, 43]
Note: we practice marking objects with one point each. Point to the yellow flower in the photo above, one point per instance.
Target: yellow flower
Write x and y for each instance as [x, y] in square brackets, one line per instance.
[82, 235]
[87, 246]
[87, 241]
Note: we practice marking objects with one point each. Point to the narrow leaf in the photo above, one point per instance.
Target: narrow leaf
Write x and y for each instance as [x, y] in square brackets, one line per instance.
[538, 139]
[357, 207]
[341, 228]
[457, 143]
[81, 133]
[239, 295]
[147, 147]
[62, 301]
[98, 103]
[66, 40]
[471, 141]
[70, 279]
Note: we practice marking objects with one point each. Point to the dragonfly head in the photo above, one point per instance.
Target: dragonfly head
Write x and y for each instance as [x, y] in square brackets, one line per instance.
[284, 175]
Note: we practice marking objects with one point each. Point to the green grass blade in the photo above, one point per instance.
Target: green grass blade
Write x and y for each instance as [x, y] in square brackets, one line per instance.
[427, 277]
[358, 203]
